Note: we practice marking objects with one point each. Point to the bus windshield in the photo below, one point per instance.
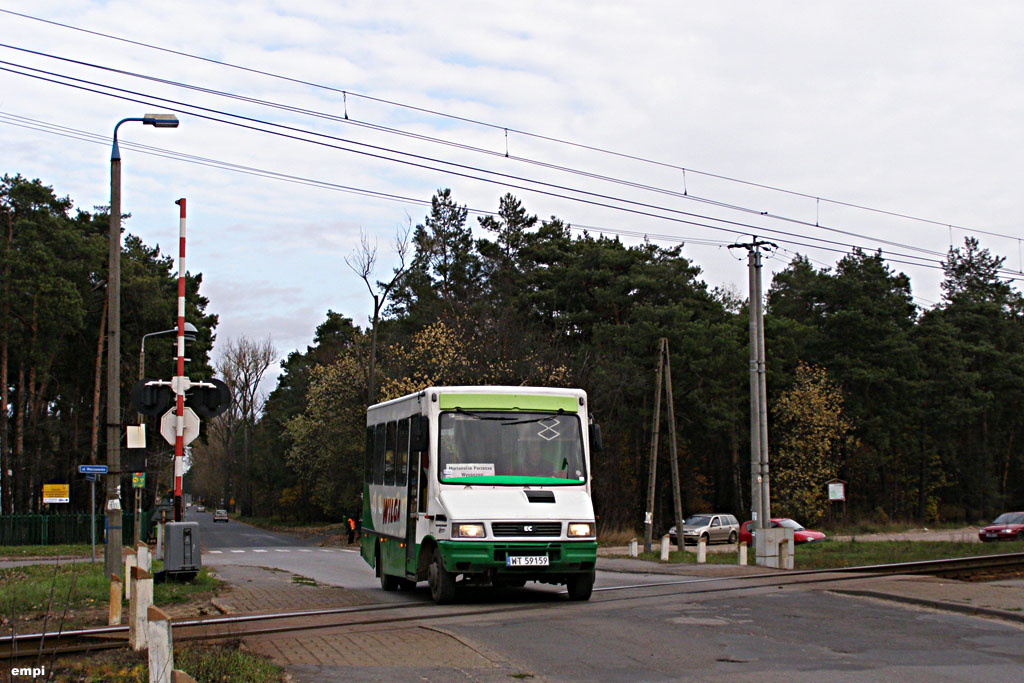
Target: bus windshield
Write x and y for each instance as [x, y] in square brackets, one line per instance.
[510, 448]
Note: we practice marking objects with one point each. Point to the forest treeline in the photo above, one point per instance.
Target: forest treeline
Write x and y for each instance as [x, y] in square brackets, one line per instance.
[918, 410]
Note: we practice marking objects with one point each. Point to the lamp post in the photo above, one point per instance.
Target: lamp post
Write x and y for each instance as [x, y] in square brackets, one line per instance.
[190, 335]
[112, 549]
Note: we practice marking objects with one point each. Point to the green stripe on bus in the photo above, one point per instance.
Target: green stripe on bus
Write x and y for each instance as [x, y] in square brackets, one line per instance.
[524, 402]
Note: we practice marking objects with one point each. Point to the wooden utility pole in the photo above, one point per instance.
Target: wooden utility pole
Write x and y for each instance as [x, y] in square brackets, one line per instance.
[664, 371]
[652, 476]
[673, 457]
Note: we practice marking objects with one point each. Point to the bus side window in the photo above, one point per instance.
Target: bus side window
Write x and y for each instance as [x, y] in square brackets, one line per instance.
[378, 454]
[368, 467]
[389, 454]
[403, 452]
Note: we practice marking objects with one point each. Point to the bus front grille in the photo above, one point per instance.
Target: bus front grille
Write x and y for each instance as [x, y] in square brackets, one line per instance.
[539, 529]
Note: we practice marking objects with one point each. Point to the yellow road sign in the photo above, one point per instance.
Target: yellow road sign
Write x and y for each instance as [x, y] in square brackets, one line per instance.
[56, 493]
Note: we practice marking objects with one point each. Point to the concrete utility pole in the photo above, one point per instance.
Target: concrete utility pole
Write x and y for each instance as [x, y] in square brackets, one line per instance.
[760, 499]
[652, 475]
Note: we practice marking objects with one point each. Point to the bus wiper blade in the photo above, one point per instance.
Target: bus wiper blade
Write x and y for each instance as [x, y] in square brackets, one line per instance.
[477, 416]
[537, 419]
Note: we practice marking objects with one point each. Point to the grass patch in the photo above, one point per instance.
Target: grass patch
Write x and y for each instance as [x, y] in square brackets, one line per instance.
[304, 580]
[610, 538]
[870, 526]
[225, 663]
[27, 590]
[80, 550]
[207, 664]
[833, 554]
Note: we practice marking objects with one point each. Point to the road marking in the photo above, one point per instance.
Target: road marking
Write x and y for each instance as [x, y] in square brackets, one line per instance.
[259, 551]
[326, 550]
[238, 551]
[216, 552]
[281, 550]
[305, 550]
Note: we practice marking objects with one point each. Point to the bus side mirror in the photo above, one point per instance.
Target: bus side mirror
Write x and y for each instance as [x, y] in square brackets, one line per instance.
[419, 433]
[595, 437]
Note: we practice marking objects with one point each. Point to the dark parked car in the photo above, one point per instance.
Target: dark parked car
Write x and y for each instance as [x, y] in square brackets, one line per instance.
[1008, 526]
[800, 534]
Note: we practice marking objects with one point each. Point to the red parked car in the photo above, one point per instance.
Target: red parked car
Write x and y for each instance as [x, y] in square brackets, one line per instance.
[800, 534]
[1008, 526]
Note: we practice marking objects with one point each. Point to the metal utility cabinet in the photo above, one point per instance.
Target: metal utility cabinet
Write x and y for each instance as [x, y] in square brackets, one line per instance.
[181, 547]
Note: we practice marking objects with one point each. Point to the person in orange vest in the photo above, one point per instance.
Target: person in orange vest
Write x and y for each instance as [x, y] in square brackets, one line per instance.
[351, 530]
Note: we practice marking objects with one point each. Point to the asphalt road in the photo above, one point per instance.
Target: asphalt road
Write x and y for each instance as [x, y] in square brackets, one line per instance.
[795, 633]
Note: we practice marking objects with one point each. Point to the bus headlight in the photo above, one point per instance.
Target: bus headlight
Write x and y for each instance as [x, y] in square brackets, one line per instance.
[580, 529]
[468, 530]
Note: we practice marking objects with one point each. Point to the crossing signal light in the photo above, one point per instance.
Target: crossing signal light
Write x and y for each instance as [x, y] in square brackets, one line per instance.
[151, 399]
[209, 402]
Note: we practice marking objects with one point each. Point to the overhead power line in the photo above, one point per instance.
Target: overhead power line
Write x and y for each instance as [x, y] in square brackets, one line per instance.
[511, 129]
[95, 138]
[423, 162]
[556, 167]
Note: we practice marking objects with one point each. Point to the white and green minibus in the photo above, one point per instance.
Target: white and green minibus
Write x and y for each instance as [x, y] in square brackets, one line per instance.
[483, 485]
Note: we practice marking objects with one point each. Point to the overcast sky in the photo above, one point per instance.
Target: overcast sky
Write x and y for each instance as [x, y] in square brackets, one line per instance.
[913, 108]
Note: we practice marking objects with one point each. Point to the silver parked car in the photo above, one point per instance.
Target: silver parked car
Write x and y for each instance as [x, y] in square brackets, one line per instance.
[713, 528]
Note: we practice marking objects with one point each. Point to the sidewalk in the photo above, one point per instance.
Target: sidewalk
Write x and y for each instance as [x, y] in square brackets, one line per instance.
[359, 653]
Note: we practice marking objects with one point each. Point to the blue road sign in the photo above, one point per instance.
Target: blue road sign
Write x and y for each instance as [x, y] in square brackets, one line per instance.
[92, 469]
[91, 477]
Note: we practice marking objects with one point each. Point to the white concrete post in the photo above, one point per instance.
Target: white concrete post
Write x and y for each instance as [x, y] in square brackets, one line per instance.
[143, 558]
[786, 554]
[161, 646]
[665, 547]
[142, 599]
[743, 555]
[634, 550]
[159, 541]
[702, 551]
[130, 560]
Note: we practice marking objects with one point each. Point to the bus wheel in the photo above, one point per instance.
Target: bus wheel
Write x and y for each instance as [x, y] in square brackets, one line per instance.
[442, 582]
[580, 586]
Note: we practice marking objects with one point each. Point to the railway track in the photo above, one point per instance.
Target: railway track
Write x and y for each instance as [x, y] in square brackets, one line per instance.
[45, 646]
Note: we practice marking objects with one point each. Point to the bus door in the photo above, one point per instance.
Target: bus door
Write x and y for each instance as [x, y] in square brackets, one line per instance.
[415, 493]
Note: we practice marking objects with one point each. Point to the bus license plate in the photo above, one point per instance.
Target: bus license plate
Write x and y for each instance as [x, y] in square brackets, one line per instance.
[526, 561]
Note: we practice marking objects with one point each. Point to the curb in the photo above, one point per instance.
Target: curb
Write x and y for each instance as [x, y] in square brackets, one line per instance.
[936, 604]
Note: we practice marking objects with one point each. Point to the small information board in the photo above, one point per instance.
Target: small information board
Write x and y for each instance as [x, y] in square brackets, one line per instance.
[56, 493]
[836, 491]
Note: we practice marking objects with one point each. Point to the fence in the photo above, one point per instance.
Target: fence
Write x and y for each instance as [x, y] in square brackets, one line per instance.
[63, 529]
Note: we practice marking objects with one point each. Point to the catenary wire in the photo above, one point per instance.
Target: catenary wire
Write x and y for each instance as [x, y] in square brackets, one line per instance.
[345, 93]
[34, 124]
[595, 198]
[556, 167]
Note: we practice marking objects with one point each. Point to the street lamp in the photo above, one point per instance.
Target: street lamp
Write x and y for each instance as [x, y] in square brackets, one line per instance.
[190, 335]
[112, 550]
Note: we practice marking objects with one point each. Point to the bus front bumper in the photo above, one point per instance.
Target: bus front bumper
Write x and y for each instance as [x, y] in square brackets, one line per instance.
[563, 557]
